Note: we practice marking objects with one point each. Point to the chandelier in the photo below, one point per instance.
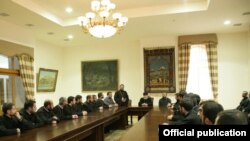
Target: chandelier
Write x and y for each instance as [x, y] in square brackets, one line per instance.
[102, 22]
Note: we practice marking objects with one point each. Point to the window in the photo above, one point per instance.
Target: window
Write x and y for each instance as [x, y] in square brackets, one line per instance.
[11, 86]
[4, 62]
[198, 74]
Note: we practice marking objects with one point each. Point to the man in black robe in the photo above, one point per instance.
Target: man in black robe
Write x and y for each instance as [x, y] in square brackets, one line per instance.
[81, 109]
[245, 103]
[208, 111]
[45, 113]
[190, 116]
[121, 96]
[11, 122]
[29, 114]
[164, 101]
[145, 101]
[99, 101]
[177, 115]
[58, 109]
[70, 109]
[90, 103]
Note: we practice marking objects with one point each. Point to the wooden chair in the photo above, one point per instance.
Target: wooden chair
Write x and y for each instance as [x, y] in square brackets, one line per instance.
[129, 103]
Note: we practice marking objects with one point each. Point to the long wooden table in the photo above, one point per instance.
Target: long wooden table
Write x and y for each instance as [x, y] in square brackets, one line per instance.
[89, 128]
[137, 111]
[147, 128]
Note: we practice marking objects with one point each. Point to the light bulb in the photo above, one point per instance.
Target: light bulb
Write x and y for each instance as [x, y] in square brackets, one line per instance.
[95, 5]
[124, 19]
[117, 16]
[111, 6]
[90, 15]
[120, 24]
[70, 36]
[227, 22]
[104, 14]
[80, 19]
[105, 2]
[68, 9]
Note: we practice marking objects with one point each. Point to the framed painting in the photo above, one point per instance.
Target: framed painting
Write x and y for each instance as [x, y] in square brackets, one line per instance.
[99, 75]
[159, 70]
[46, 80]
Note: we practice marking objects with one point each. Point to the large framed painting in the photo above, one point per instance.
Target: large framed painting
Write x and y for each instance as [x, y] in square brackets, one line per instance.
[100, 75]
[46, 80]
[159, 70]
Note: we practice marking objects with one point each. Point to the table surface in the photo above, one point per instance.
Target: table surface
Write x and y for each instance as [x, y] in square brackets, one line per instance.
[51, 131]
[147, 128]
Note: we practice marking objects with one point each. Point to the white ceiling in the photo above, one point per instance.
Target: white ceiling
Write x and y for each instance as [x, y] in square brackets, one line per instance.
[147, 18]
[54, 9]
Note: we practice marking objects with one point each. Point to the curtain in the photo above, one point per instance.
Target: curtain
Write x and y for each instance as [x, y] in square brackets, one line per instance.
[27, 74]
[198, 73]
[183, 62]
[211, 49]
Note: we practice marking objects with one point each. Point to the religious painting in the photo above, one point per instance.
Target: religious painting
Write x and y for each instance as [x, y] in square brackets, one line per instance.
[46, 80]
[100, 75]
[159, 70]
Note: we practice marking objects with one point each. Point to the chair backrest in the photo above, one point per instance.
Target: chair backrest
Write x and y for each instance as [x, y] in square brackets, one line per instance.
[129, 102]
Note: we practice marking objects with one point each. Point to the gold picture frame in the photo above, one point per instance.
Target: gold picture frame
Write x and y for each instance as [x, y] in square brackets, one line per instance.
[159, 70]
[46, 80]
[99, 75]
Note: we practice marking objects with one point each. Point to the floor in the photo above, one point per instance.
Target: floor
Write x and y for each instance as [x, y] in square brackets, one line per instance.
[117, 134]
[114, 135]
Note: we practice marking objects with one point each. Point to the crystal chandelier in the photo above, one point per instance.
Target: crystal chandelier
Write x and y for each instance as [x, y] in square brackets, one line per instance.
[101, 23]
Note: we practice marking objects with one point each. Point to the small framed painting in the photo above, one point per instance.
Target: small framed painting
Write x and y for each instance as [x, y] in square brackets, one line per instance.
[46, 80]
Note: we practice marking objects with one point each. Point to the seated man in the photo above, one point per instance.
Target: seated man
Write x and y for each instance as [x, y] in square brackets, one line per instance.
[208, 112]
[109, 100]
[58, 110]
[81, 109]
[89, 103]
[176, 113]
[244, 102]
[231, 117]
[29, 114]
[11, 122]
[190, 116]
[94, 99]
[46, 114]
[196, 99]
[70, 109]
[164, 101]
[99, 101]
[179, 98]
[145, 101]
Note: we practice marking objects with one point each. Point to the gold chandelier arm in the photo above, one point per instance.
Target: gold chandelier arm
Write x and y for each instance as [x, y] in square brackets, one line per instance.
[101, 23]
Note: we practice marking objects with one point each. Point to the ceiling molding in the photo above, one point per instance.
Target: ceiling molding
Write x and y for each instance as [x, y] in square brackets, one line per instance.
[172, 8]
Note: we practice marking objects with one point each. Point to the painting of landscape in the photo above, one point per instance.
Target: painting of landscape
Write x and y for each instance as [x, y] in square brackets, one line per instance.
[46, 80]
[100, 75]
[159, 67]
